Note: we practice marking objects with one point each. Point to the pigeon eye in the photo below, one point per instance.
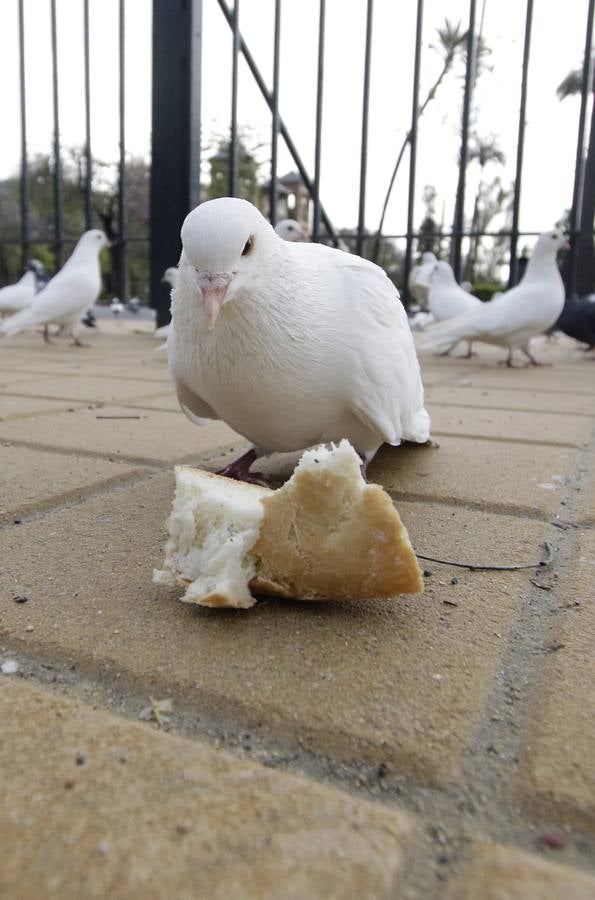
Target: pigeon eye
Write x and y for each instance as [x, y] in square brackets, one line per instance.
[248, 246]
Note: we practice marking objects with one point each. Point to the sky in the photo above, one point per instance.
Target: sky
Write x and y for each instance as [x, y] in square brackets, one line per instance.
[550, 148]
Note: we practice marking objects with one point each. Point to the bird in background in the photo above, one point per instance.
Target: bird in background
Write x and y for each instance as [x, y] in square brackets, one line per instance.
[68, 294]
[419, 279]
[18, 296]
[519, 314]
[290, 344]
[42, 275]
[577, 320]
[447, 300]
[291, 230]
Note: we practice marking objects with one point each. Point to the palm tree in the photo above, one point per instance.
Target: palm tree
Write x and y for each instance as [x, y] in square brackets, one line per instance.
[585, 251]
[450, 40]
[483, 151]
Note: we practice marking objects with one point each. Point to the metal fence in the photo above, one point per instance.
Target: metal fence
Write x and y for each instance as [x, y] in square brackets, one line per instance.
[176, 139]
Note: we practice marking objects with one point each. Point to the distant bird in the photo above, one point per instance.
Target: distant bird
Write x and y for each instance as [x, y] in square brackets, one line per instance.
[116, 307]
[42, 275]
[70, 292]
[18, 296]
[420, 320]
[447, 299]
[419, 279]
[291, 344]
[170, 276]
[290, 230]
[133, 305]
[518, 315]
[578, 320]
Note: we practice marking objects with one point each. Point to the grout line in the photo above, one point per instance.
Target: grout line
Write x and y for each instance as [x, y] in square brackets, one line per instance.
[90, 454]
[506, 440]
[68, 499]
[513, 409]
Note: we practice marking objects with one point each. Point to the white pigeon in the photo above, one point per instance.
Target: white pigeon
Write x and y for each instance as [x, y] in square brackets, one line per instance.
[116, 307]
[290, 230]
[290, 344]
[447, 299]
[419, 280]
[170, 276]
[519, 314]
[420, 320]
[70, 292]
[19, 295]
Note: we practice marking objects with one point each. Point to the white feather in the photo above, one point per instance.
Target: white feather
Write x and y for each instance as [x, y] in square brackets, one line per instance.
[514, 317]
[15, 297]
[311, 344]
[69, 293]
[419, 280]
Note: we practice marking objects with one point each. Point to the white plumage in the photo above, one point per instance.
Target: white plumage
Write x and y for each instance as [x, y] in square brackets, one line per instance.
[290, 230]
[447, 299]
[419, 280]
[517, 315]
[70, 292]
[19, 295]
[290, 344]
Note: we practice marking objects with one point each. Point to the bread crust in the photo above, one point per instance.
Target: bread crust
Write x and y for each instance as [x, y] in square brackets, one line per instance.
[325, 535]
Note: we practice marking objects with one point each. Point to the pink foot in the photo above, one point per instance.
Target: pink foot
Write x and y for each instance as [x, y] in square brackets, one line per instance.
[239, 469]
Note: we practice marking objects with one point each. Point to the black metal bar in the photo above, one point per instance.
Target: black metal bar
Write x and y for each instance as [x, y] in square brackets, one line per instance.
[275, 116]
[57, 174]
[122, 286]
[575, 224]
[413, 147]
[361, 219]
[282, 129]
[175, 170]
[195, 102]
[514, 265]
[233, 131]
[88, 158]
[319, 99]
[464, 153]
[24, 181]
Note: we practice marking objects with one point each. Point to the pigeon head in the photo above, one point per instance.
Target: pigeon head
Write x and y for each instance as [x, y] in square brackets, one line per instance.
[225, 242]
[427, 258]
[93, 240]
[551, 241]
[290, 230]
[442, 274]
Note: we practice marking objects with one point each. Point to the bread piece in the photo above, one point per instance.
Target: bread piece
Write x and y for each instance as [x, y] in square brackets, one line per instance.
[325, 534]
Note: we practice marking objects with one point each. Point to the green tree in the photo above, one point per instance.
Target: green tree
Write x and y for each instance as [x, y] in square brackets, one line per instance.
[450, 41]
[249, 187]
[485, 152]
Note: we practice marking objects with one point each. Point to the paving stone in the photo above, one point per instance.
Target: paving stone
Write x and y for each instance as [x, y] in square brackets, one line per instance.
[541, 428]
[167, 402]
[11, 377]
[490, 474]
[575, 380]
[558, 759]
[502, 873]
[24, 407]
[119, 431]
[86, 387]
[399, 682]
[33, 479]
[526, 400]
[149, 815]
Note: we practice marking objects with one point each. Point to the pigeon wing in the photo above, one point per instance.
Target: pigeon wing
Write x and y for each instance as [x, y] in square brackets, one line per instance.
[384, 388]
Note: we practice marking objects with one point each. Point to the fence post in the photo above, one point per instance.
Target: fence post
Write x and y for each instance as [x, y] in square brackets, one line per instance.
[175, 144]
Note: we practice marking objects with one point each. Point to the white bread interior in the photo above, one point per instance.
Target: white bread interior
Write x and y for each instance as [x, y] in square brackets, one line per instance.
[325, 534]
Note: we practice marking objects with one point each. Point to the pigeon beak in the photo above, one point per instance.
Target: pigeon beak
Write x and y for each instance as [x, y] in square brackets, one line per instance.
[213, 287]
[566, 245]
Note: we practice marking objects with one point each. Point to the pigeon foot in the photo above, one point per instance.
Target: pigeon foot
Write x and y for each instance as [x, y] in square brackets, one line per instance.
[239, 469]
